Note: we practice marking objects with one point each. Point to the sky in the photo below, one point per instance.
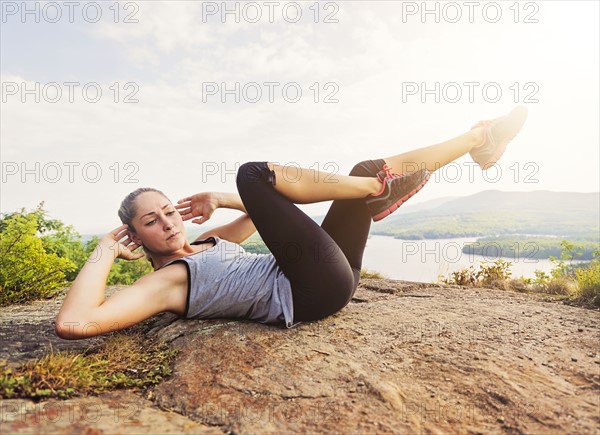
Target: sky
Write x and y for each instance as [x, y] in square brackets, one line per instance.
[100, 98]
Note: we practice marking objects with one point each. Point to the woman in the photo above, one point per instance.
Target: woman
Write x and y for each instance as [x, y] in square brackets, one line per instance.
[312, 271]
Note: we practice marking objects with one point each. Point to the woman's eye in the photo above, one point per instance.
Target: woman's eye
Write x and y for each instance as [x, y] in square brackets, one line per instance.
[170, 213]
[151, 222]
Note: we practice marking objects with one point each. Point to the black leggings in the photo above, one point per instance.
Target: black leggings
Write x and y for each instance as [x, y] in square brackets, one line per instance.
[323, 262]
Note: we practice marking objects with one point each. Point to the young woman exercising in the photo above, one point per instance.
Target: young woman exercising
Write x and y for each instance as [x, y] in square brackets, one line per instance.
[312, 271]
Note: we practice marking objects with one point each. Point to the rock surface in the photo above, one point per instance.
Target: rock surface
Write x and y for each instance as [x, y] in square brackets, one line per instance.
[401, 358]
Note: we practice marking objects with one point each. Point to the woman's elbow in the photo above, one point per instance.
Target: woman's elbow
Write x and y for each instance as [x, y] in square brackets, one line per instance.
[70, 328]
[65, 328]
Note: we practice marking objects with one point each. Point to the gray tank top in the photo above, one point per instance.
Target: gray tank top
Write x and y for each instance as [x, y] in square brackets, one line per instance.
[225, 281]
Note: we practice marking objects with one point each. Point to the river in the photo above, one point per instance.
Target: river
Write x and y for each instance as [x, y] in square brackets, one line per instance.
[425, 260]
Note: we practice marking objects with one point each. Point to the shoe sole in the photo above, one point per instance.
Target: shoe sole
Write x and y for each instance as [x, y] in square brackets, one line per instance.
[379, 216]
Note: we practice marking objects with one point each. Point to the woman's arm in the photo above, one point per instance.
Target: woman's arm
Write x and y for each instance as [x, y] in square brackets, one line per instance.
[235, 231]
[201, 207]
[85, 312]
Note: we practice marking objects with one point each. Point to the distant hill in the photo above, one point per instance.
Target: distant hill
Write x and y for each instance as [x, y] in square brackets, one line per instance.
[425, 205]
[408, 208]
[494, 212]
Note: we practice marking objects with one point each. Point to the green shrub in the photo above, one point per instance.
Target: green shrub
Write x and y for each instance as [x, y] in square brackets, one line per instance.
[39, 256]
[588, 281]
[568, 253]
[541, 281]
[27, 270]
[255, 245]
[498, 271]
[126, 272]
[64, 242]
[580, 282]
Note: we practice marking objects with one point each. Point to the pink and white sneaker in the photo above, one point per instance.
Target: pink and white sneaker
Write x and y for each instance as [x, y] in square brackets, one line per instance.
[396, 189]
[497, 134]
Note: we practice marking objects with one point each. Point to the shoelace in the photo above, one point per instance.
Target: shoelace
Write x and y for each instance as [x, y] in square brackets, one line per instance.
[484, 123]
[388, 173]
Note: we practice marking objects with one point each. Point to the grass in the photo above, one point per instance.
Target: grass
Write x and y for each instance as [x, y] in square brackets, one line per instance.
[370, 274]
[123, 360]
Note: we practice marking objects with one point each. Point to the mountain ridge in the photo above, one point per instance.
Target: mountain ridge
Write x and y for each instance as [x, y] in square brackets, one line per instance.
[493, 212]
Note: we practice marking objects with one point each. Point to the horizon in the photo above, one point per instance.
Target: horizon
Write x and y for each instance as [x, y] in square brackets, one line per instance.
[405, 209]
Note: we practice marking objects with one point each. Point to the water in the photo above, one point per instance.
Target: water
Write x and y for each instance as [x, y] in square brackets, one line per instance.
[425, 260]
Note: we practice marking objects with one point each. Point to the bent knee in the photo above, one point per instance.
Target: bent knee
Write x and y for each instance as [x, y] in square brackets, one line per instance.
[252, 172]
[367, 168]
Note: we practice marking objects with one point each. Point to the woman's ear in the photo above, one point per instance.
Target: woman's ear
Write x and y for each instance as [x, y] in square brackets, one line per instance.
[133, 236]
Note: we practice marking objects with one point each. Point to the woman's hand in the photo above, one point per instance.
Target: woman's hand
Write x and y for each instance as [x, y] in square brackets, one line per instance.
[120, 241]
[202, 204]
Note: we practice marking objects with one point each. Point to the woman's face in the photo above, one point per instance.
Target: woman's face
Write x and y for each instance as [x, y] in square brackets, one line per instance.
[157, 224]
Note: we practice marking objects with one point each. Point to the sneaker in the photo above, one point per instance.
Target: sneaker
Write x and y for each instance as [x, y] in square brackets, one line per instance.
[395, 190]
[497, 134]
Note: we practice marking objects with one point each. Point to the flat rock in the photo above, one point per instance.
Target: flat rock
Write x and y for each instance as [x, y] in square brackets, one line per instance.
[400, 358]
[121, 412]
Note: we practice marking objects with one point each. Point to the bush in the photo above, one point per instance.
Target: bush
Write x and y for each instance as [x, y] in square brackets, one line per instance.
[494, 274]
[126, 272]
[520, 285]
[39, 256]
[255, 245]
[370, 274]
[498, 271]
[588, 281]
[562, 285]
[580, 282]
[467, 277]
[27, 270]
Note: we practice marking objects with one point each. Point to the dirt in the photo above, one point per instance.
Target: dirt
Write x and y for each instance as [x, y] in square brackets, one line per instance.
[400, 358]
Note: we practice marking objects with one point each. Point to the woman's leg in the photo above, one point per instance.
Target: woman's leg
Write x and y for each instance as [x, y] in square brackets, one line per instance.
[485, 141]
[321, 277]
[348, 221]
[435, 156]
[304, 186]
